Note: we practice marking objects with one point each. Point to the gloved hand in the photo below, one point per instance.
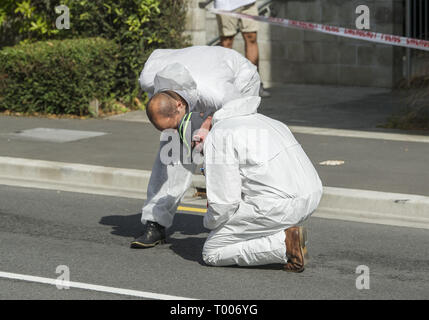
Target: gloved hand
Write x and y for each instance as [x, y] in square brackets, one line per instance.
[200, 136]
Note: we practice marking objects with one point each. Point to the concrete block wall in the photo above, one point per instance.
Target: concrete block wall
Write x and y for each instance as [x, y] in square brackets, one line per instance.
[196, 23]
[295, 56]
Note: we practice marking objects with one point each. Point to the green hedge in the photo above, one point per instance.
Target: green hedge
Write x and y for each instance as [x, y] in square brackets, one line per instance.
[137, 26]
[58, 77]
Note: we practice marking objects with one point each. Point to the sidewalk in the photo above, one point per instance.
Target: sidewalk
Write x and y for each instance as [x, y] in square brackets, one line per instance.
[369, 164]
[357, 108]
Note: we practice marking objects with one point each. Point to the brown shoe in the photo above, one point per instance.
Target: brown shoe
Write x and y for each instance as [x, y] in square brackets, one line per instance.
[296, 250]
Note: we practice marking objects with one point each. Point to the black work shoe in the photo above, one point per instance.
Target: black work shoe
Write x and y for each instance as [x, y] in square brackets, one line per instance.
[153, 234]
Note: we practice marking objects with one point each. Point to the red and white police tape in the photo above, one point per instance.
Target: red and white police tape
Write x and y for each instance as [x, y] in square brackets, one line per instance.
[338, 31]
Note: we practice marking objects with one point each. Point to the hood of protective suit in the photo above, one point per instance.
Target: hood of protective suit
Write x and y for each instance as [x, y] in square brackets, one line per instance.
[177, 77]
[237, 108]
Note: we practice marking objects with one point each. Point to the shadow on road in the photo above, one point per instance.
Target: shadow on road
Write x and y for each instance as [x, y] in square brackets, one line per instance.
[131, 226]
[186, 236]
[124, 226]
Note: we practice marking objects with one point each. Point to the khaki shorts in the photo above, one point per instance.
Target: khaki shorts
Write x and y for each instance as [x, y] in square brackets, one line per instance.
[228, 25]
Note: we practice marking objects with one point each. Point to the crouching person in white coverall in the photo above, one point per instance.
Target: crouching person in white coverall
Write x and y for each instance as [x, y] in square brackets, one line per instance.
[260, 187]
[197, 79]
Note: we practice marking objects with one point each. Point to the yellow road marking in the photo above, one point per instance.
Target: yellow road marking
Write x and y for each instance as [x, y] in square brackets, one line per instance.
[202, 210]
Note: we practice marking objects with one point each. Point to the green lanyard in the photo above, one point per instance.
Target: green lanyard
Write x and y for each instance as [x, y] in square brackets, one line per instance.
[184, 131]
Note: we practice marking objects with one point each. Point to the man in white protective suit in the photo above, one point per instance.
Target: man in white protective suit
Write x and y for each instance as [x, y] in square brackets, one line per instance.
[261, 186]
[198, 80]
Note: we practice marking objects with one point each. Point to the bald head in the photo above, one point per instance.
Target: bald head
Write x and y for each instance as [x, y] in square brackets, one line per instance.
[165, 109]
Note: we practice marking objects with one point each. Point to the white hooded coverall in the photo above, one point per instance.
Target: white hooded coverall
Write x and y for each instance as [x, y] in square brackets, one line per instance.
[259, 183]
[206, 77]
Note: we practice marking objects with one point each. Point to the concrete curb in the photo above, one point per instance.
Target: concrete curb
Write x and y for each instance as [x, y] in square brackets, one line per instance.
[337, 203]
[395, 209]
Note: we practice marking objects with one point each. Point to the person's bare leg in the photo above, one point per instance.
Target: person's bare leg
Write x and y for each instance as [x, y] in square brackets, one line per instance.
[251, 47]
[252, 54]
[227, 42]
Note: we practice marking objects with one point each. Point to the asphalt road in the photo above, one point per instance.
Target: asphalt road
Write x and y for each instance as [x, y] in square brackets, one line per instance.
[42, 229]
